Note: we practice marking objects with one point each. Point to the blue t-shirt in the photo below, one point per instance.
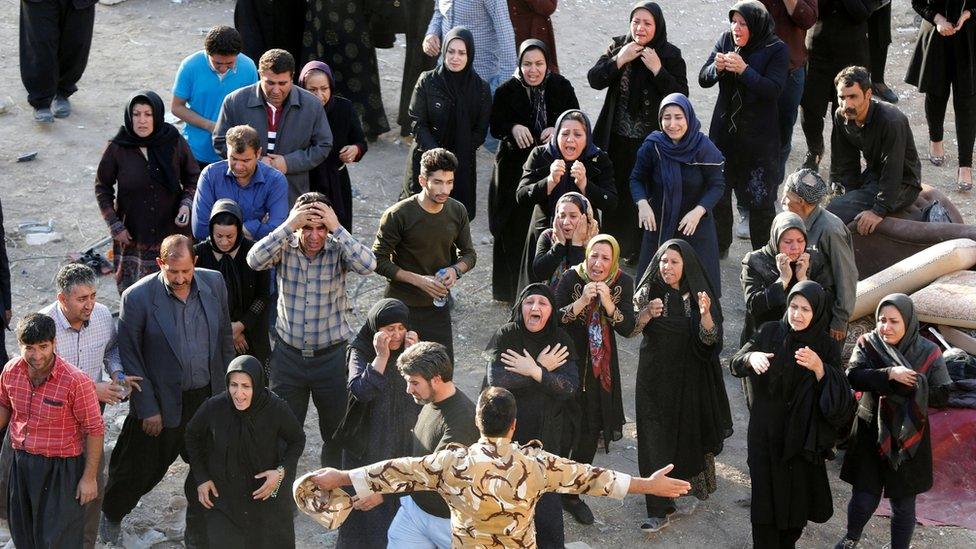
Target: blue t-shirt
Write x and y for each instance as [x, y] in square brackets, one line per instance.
[204, 92]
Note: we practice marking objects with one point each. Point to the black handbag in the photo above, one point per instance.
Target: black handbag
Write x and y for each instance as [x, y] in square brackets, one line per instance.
[351, 433]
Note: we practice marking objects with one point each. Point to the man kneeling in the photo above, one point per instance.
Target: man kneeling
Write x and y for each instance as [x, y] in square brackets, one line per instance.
[492, 486]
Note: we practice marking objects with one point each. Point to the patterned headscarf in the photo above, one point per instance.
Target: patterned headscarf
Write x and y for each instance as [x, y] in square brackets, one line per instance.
[808, 185]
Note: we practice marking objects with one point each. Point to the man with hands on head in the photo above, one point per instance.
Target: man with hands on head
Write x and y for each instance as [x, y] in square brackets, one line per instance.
[312, 254]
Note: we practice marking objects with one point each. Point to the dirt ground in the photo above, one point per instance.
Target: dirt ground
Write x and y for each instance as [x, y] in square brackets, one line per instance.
[139, 43]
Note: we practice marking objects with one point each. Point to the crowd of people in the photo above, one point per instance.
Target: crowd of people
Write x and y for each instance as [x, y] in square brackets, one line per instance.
[233, 240]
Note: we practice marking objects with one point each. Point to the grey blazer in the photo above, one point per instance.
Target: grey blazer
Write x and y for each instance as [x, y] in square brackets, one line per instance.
[304, 137]
[149, 347]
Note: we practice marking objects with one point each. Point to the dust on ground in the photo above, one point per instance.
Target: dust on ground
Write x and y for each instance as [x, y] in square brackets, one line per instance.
[139, 44]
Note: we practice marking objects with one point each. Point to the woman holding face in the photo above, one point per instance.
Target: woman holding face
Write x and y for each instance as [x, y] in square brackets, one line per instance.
[331, 177]
[248, 291]
[563, 245]
[801, 406]
[594, 299]
[534, 358]
[749, 64]
[570, 162]
[450, 108]
[523, 116]
[900, 374]
[676, 182]
[144, 186]
[683, 412]
[637, 70]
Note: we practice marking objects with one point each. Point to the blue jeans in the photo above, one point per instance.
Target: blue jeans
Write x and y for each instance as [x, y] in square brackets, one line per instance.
[413, 527]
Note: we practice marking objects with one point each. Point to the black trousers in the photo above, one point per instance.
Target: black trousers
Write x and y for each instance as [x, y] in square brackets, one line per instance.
[936, 101]
[43, 510]
[140, 461]
[549, 522]
[862, 506]
[434, 324]
[879, 38]
[767, 536]
[760, 220]
[55, 39]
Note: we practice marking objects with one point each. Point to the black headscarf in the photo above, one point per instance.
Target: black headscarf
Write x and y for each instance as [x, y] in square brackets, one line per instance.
[516, 337]
[161, 143]
[537, 94]
[761, 34]
[693, 280]
[784, 372]
[640, 75]
[383, 313]
[463, 87]
[226, 264]
[242, 447]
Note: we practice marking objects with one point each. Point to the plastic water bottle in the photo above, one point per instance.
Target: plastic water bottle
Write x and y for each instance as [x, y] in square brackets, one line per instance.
[119, 379]
[441, 301]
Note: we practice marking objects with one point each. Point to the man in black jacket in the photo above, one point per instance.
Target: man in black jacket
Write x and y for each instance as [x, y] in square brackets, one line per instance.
[881, 132]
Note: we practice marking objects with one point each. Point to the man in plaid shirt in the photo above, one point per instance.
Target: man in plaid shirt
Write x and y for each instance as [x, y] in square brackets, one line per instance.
[312, 253]
[57, 431]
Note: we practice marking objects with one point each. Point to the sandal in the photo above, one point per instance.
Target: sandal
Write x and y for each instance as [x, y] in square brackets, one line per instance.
[937, 161]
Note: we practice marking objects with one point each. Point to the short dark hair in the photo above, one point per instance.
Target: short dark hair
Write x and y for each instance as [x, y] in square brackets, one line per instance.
[175, 245]
[496, 411]
[224, 219]
[74, 274]
[277, 61]
[223, 40]
[426, 359]
[242, 137]
[437, 159]
[311, 198]
[36, 328]
[854, 75]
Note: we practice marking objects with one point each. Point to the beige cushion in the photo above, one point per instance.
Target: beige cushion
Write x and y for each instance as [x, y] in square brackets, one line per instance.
[913, 273]
[950, 300]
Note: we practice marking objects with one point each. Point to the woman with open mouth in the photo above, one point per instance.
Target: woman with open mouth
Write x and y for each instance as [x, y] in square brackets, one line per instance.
[683, 412]
[563, 245]
[595, 304]
[570, 162]
[534, 358]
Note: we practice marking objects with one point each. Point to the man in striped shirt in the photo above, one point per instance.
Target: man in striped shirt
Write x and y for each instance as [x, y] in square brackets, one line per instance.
[312, 254]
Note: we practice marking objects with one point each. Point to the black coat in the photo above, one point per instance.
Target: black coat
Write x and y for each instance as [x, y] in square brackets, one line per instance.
[600, 191]
[790, 487]
[928, 67]
[430, 109]
[507, 220]
[672, 78]
[324, 178]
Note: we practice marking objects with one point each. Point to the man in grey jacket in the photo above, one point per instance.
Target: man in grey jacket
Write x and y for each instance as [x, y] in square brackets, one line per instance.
[290, 121]
[174, 333]
[805, 190]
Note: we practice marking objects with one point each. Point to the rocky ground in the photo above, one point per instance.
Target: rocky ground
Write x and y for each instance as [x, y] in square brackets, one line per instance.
[139, 43]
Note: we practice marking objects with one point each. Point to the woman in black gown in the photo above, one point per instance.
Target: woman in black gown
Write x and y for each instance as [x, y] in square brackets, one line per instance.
[523, 115]
[802, 404]
[248, 291]
[683, 412]
[533, 357]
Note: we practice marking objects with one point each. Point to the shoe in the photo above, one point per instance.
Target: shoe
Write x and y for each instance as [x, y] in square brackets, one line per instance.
[579, 510]
[812, 161]
[846, 543]
[962, 185]
[937, 161]
[655, 524]
[61, 107]
[885, 93]
[110, 532]
[742, 229]
[44, 115]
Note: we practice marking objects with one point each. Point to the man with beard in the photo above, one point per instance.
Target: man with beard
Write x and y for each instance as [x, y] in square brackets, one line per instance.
[57, 431]
[882, 133]
[260, 190]
[423, 246]
[175, 333]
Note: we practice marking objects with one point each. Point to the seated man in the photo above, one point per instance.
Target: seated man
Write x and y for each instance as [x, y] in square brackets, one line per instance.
[493, 502]
[881, 132]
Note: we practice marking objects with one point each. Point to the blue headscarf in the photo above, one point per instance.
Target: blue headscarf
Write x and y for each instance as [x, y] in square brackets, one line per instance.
[694, 147]
[591, 149]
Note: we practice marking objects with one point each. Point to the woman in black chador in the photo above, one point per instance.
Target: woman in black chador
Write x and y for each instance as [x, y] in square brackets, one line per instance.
[638, 70]
[801, 406]
[523, 116]
[243, 447]
[683, 412]
[900, 374]
[533, 357]
[450, 108]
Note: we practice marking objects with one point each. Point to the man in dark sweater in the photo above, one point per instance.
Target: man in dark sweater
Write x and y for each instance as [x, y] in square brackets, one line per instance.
[423, 246]
[881, 132]
[423, 519]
